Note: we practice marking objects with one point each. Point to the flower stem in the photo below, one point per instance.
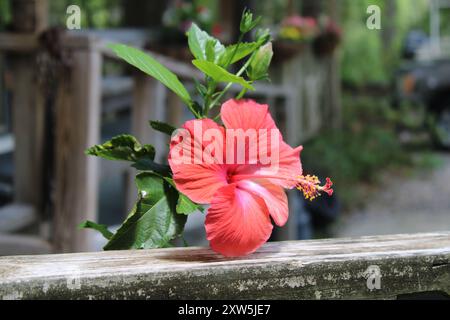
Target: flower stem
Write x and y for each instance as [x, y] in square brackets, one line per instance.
[241, 94]
[228, 86]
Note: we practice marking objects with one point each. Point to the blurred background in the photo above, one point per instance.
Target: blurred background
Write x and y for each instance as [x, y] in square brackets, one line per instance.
[363, 85]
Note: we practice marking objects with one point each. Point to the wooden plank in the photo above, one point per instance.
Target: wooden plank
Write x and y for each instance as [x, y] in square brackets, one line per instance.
[313, 269]
[18, 42]
[77, 128]
[19, 244]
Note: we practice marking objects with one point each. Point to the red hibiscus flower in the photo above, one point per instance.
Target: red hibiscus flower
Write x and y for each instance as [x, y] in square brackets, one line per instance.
[243, 188]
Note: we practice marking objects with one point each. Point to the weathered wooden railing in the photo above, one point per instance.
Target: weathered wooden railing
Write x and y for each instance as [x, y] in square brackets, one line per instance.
[385, 267]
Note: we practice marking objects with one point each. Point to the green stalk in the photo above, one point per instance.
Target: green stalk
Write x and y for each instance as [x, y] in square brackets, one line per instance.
[241, 94]
[198, 116]
[241, 37]
[240, 72]
[211, 89]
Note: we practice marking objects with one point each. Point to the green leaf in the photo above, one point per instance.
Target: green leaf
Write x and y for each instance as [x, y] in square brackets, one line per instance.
[259, 65]
[199, 41]
[153, 222]
[146, 164]
[186, 206]
[122, 147]
[210, 50]
[219, 74]
[162, 127]
[150, 66]
[102, 228]
[243, 50]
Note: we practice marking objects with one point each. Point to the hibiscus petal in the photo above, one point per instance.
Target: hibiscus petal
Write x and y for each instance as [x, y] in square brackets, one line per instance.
[246, 114]
[276, 159]
[285, 167]
[197, 180]
[273, 195]
[237, 222]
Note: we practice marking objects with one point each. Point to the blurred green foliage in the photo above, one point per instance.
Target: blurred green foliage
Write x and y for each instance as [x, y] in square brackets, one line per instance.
[371, 56]
[94, 13]
[5, 14]
[359, 151]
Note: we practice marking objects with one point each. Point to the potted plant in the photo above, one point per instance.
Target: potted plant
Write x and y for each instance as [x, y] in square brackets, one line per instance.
[210, 162]
[328, 38]
[293, 34]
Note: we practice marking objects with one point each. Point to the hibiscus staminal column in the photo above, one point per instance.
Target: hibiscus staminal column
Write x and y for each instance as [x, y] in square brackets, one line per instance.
[311, 188]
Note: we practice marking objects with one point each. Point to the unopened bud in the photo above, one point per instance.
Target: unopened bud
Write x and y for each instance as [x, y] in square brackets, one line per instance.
[262, 36]
[258, 68]
[247, 22]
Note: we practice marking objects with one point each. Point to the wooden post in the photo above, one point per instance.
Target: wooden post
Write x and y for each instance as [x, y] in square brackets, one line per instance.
[28, 107]
[25, 127]
[29, 15]
[77, 128]
[149, 100]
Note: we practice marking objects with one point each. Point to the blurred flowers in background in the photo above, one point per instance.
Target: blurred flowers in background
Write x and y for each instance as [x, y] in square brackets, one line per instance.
[181, 15]
[328, 38]
[297, 28]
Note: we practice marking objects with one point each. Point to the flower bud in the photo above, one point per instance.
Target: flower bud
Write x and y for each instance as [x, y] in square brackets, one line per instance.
[262, 36]
[260, 63]
[247, 22]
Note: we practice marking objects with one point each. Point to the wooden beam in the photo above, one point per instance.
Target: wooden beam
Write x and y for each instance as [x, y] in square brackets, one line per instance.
[14, 42]
[27, 122]
[77, 128]
[313, 269]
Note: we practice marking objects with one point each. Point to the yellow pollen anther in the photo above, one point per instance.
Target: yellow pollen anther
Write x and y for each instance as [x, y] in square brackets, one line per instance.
[310, 187]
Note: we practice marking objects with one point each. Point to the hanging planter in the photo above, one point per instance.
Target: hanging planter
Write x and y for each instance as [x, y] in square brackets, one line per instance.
[294, 34]
[328, 39]
[285, 50]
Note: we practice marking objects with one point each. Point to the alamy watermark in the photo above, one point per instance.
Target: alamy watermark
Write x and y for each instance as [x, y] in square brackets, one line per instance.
[73, 281]
[373, 277]
[374, 20]
[226, 146]
[73, 21]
